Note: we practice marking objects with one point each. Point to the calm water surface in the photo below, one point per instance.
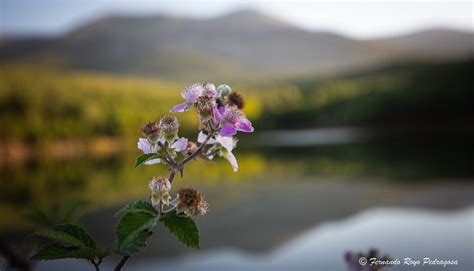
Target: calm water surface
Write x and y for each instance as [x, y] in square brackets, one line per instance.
[298, 208]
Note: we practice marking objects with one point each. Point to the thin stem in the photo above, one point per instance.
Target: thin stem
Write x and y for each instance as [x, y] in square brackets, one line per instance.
[194, 154]
[121, 263]
[169, 159]
[96, 265]
[183, 162]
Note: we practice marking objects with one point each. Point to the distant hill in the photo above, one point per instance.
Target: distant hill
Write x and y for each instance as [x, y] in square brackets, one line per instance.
[244, 44]
[435, 42]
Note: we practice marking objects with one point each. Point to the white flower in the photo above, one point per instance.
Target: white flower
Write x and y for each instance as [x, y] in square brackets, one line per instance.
[146, 147]
[180, 145]
[226, 143]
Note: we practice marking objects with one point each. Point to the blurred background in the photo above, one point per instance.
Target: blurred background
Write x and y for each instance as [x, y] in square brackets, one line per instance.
[363, 114]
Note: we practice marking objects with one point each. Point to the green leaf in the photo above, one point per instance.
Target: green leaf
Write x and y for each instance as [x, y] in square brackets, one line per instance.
[71, 234]
[69, 210]
[137, 206]
[129, 231]
[137, 244]
[57, 251]
[144, 157]
[183, 227]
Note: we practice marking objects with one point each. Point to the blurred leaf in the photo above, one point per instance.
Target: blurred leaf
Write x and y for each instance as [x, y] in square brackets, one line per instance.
[183, 227]
[58, 251]
[41, 216]
[71, 234]
[69, 210]
[66, 212]
[129, 231]
[137, 206]
[144, 157]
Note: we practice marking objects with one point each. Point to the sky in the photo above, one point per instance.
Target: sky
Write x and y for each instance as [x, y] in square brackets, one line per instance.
[358, 19]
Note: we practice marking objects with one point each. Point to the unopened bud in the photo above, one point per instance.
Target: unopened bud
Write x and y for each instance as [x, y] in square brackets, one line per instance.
[224, 90]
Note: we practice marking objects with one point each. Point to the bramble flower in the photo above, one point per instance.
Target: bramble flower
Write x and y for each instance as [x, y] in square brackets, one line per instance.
[169, 126]
[223, 145]
[354, 263]
[180, 145]
[147, 147]
[160, 188]
[234, 119]
[151, 131]
[191, 202]
[143, 144]
[192, 93]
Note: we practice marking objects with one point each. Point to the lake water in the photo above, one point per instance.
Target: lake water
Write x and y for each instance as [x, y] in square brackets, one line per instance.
[294, 208]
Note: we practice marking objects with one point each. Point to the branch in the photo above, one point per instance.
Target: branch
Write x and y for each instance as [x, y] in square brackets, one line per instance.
[169, 159]
[121, 263]
[181, 164]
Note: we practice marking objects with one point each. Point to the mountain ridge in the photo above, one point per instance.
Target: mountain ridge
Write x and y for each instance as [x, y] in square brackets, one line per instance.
[241, 44]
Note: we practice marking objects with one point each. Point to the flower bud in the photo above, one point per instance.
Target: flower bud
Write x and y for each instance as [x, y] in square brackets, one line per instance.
[151, 131]
[169, 126]
[191, 202]
[236, 99]
[223, 90]
[160, 187]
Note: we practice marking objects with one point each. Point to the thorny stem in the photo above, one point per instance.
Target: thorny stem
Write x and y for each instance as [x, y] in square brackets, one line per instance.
[183, 162]
[169, 159]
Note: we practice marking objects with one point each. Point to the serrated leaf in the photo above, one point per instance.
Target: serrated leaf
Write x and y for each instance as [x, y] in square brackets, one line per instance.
[183, 227]
[137, 206]
[137, 244]
[144, 157]
[129, 231]
[57, 251]
[71, 234]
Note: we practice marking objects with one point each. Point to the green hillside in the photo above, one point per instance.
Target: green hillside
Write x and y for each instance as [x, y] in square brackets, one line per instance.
[38, 105]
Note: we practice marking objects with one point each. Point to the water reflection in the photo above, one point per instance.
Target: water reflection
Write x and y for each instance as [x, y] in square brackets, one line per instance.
[413, 233]
[277, 195]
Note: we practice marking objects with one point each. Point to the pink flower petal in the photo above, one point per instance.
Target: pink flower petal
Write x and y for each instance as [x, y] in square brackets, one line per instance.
[244, 125]
[179, 107]
[228, 130]
[217, 115]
